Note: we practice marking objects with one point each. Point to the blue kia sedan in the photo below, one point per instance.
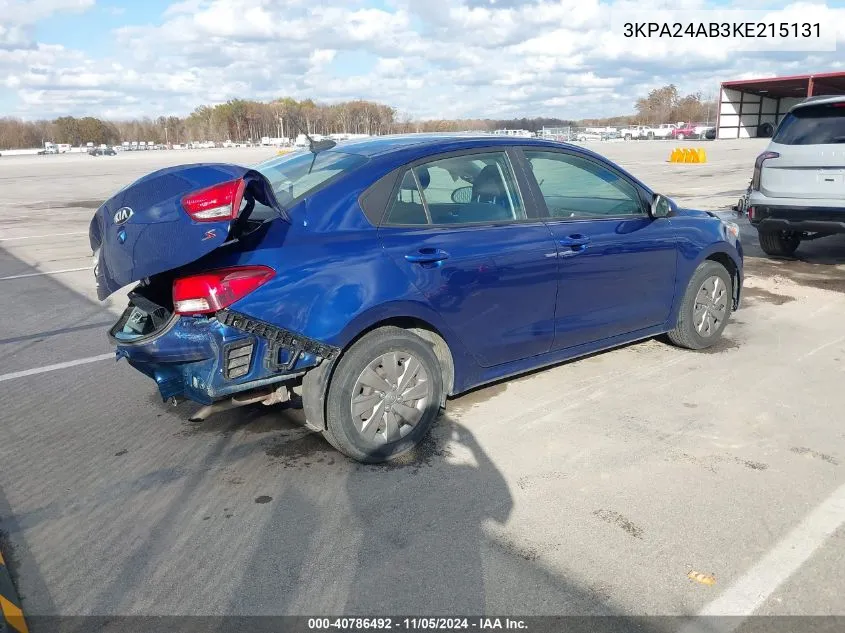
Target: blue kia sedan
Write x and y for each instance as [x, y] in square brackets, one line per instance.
[377, 278]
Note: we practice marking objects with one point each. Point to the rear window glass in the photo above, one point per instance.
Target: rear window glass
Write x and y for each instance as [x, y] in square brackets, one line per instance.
[300, 173]
[813, 125]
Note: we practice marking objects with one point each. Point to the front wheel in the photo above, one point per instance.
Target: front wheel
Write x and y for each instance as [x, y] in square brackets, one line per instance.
[705, 308]
[779, 243]
[681, 137]
[384, 395]
[628, 137]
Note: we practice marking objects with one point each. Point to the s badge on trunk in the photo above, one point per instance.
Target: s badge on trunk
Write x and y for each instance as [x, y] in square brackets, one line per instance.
[122, 215]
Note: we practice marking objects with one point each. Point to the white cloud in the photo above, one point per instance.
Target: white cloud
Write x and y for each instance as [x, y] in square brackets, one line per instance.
[429, 58]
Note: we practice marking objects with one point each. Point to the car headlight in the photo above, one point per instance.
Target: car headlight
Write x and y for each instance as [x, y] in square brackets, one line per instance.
[731, 230]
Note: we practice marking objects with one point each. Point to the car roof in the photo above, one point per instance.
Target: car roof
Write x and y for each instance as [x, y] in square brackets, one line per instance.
[819, 100]
[382, 145]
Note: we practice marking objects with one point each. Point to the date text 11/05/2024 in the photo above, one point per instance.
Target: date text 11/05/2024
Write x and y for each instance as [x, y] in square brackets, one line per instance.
[747, 30]
[416, 624]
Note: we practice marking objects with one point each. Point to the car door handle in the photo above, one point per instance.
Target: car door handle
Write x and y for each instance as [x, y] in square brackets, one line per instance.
[427, 256]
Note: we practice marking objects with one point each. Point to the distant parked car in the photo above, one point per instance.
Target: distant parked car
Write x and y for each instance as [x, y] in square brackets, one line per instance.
[663, 131]
[102, 151]
[798, 186]
[588, 136]
[679, 133]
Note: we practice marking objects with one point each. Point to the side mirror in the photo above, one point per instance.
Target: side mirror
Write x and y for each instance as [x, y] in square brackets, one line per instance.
[660, 207]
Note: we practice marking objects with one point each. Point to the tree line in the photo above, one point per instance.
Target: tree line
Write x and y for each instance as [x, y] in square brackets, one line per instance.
[245, 120]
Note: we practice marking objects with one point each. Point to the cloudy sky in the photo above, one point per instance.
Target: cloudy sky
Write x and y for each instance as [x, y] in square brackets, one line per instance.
[427, 58]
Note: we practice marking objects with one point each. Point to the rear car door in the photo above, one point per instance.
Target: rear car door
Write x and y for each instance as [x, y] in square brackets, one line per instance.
[616, 264]
[468, 240]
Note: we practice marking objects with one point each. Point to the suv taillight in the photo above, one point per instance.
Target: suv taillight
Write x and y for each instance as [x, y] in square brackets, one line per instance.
[220, 202]
[217, 289]
[758, 168]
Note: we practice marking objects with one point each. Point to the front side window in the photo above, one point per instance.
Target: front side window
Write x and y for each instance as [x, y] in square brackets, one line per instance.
[578, 188]
[470, 189]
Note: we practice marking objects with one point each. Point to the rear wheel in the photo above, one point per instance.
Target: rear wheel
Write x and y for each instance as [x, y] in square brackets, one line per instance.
[628, 137]
[681, 137]
[705, 308]
[384, 395]
[779, 243]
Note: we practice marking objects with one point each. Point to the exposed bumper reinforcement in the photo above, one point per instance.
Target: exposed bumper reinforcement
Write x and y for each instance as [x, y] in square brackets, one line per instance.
[278, 337]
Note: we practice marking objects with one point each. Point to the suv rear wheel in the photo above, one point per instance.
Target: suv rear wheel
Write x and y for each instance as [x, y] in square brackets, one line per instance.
[384, 395]
[779, 243]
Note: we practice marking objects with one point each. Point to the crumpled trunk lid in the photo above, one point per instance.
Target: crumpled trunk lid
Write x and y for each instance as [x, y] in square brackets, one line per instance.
[143, 229]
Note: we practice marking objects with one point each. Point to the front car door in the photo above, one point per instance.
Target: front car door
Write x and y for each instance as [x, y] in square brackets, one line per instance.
[616, 264]
[474, 246]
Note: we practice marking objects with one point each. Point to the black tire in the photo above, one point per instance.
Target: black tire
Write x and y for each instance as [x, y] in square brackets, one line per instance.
[685, 333]
[765, 130]
[628, 137]
[779, 243]
[341, 431]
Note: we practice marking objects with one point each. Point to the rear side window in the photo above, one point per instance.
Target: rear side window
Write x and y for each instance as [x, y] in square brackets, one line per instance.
[813, 125]
[294, 175]
[407, 207]
[469, 189]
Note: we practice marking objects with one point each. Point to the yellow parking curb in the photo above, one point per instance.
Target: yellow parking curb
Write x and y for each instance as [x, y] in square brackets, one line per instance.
[9, 602]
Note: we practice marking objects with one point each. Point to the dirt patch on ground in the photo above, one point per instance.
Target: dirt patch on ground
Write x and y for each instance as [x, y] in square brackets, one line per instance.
[464, 403]
[821, 276]
[620, 520]
[765, 296]
[724, 344]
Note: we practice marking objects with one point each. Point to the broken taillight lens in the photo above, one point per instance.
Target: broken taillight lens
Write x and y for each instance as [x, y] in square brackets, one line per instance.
[758, 168]
[214, 290]
[220, 202]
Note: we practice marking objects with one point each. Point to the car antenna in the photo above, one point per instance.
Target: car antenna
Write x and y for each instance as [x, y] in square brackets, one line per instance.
[314, 146]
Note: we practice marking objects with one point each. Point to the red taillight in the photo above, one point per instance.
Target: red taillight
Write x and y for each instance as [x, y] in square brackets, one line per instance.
[220, 202]
[750, 213]
[758, 168]
[217, 289]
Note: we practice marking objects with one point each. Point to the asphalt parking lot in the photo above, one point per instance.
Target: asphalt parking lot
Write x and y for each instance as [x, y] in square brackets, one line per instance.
[594, 487]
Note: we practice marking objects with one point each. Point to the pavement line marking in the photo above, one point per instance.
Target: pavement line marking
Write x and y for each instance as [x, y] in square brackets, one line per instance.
[42, 370]
[36, 237]
[752, 589]
[46, 272]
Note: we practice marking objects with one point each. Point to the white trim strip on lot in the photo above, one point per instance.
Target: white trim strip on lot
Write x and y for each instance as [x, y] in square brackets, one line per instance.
[38, 237]
[751, 590]
[46, 272]
[42, 370]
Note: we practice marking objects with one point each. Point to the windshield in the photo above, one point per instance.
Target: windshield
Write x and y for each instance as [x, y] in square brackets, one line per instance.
[813, 125]
[300, 173]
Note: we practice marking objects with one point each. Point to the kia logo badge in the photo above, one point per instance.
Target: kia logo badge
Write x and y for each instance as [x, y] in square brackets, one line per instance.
[122, 215]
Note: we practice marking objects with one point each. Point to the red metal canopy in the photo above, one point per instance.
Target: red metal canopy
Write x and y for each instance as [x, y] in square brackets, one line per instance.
[794, 86]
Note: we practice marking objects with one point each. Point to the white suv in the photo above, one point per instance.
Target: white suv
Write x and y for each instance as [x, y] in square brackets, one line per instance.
[798, 186]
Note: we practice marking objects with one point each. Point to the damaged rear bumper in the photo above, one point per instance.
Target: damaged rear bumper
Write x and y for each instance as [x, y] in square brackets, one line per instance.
[206, 358]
